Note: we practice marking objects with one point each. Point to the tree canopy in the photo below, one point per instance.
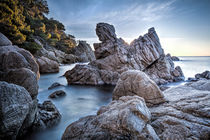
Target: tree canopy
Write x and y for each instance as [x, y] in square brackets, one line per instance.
[22, 20]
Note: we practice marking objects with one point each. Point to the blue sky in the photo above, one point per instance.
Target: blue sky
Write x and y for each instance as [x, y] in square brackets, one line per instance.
[182, 25]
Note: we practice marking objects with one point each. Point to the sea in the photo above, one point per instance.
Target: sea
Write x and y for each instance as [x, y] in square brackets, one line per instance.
[81, 101]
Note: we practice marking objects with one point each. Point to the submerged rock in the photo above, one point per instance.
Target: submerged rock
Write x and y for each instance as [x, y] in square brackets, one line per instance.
[57, 94]
[54, 85]
[47, 66]
[186, 115]
[135, 82]
[126, 118]
[17, 110]
[114, 56]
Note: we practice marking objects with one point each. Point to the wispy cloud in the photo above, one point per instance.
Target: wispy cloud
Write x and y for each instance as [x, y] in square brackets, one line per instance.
[128, 15]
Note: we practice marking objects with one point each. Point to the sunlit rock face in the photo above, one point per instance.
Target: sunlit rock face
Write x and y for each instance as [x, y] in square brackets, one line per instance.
[185, 115]
[125, 119]
[135, 82]
[113, 55]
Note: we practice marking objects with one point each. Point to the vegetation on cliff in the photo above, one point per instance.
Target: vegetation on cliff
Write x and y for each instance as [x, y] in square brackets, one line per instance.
[24, 20]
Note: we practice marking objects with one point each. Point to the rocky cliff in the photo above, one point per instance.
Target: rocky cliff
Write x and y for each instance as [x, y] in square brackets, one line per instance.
[114, 56]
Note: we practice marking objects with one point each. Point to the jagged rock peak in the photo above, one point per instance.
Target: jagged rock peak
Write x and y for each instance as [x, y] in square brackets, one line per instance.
[105, 32]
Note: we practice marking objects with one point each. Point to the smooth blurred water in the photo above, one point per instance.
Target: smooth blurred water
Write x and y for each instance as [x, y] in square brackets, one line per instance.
[192, 65]
[80, 101]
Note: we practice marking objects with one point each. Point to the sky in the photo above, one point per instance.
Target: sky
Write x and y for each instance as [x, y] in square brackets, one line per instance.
[183, 26]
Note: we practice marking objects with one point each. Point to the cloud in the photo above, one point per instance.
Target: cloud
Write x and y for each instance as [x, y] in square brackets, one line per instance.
[127, 16]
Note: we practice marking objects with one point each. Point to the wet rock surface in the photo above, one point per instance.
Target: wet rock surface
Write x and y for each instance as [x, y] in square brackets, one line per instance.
[57, 94]
[135, 82]
[54, 85]
[47, 116]
[126, 118]
[114, 56]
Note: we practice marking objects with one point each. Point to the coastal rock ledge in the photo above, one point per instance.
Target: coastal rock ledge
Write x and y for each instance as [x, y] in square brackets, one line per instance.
[124, 119]
[114, 56]
[185, 116]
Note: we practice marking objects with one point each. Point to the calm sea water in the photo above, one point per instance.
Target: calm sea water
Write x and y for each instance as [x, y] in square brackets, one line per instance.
[81, 101]
[192, 65]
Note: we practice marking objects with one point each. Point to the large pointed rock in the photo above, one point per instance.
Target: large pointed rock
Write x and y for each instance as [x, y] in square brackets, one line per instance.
[114, 55]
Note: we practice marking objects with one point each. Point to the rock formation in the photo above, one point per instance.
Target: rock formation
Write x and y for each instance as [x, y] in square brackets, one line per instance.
[48, 115]
[4, 41]
[200, 85]
[84, 52]
[81, 53]
[173, 58]
[135, 82]
[47, 66]
[186, 115]
[127, 118]
[54, 85]
[204, 75]
[114, 56]
[17, 110]
[18, 66]
[57, 94]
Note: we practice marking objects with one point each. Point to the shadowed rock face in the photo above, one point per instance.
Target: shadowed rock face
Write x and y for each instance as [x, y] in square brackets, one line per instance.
[18, 66]
[17, 110]
[84, 52]
[113, 55]
[124, 119]
[135, 82]
[18, 103]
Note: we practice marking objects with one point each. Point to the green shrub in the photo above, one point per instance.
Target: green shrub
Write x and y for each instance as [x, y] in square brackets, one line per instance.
[31, 46]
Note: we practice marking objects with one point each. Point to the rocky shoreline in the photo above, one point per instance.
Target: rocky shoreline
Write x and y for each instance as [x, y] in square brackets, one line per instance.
[19, 108]
[145, 112]
[138, 110]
